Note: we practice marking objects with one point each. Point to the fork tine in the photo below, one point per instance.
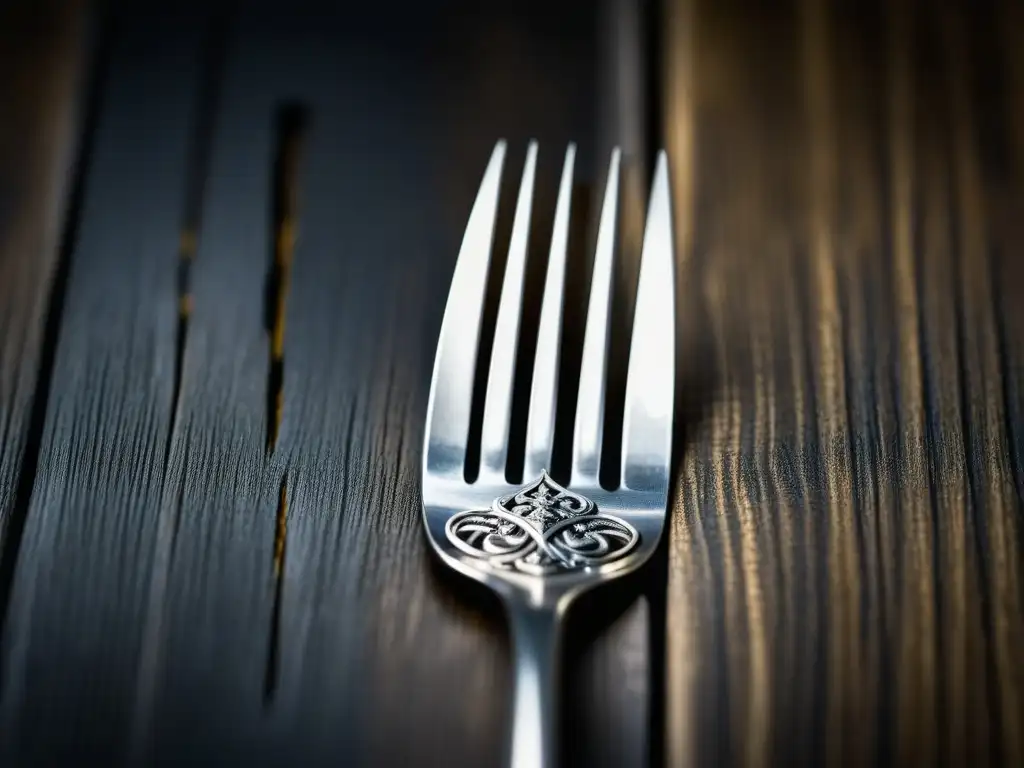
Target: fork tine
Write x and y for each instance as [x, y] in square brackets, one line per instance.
[451, 387]
[587, 434]
[650, 381]
[540, 426]
[498, 402]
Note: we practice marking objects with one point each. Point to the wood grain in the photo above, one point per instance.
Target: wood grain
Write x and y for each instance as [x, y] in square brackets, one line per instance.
[256, 555]
[42, 49]
[845, 562]
[213, 464]
[83, 568]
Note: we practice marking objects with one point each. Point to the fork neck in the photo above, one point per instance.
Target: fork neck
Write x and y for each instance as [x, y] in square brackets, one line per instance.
[536, 643]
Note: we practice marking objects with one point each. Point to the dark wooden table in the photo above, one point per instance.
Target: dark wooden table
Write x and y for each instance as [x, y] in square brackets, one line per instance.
[226, 236]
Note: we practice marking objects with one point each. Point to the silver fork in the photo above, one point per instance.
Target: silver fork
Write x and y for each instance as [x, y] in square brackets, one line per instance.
[541, 545]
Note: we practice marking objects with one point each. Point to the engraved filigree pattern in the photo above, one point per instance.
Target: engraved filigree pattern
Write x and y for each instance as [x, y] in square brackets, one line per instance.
[542, 529]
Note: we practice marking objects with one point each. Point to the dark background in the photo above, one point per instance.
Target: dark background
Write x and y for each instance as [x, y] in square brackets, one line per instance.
[226, 237]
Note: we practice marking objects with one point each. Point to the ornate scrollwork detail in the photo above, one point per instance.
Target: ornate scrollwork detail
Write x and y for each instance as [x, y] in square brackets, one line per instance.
[541, 529]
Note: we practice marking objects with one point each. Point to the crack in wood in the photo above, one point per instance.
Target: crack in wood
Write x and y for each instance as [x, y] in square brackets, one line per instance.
[199, 163]
[291, 120]
[291, 123]
[213, 51]
[273, 649]
[96, 61]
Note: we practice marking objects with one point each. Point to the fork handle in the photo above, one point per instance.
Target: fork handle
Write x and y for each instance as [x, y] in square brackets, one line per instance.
[536, 640]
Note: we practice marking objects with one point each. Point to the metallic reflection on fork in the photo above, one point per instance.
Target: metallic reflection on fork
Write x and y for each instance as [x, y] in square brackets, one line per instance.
[540, 545]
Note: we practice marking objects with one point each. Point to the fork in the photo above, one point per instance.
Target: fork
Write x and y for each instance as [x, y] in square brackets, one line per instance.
[540, 545]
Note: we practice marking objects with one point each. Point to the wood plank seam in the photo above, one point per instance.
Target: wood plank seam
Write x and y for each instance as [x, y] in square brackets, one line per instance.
[92, 61]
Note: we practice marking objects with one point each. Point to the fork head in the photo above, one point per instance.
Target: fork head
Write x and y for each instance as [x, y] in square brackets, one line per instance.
[541, 539]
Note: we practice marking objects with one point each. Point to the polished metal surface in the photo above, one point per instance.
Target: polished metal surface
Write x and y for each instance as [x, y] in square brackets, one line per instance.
[541, 529]
[539, 545]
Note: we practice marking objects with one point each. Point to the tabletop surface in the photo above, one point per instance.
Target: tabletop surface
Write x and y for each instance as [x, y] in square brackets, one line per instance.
[226, 236]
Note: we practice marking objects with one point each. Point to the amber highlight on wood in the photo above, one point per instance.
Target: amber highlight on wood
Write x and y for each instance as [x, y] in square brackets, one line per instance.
[291, 121]
[845, 561]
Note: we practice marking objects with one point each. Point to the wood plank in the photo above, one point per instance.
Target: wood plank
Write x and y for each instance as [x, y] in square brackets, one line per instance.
[845, 560]
[370, 279]
[290, 537]
[210, 606]
[73, 634]
[42, 50]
